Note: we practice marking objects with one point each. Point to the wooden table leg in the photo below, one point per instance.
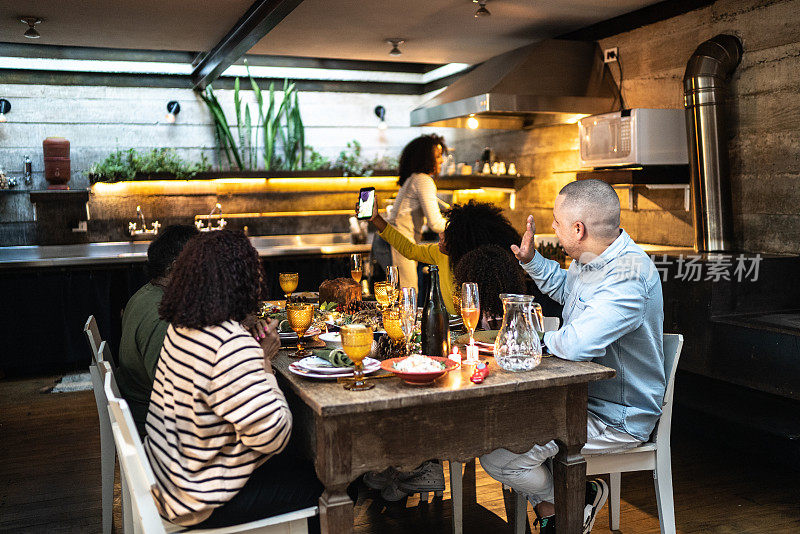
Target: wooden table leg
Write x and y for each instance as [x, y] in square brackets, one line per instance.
[569, 467]
[336, 511]
[569, 473]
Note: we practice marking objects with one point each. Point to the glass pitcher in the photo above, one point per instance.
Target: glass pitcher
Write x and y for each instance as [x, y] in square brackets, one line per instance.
[517, 347]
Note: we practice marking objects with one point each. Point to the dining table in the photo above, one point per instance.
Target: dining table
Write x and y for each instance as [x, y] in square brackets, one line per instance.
[347, 433]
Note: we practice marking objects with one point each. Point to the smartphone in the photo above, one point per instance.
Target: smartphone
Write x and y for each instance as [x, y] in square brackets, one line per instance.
[366, 203]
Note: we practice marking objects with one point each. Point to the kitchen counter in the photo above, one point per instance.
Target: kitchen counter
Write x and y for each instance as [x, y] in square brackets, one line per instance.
[136, 251]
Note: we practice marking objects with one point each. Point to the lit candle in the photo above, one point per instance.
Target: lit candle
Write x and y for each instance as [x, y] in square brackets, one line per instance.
[456, 356]
[472, 353]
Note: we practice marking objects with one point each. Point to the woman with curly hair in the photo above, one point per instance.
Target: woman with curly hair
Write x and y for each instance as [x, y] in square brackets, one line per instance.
[218, 422]
[496, 271]
[416, 203]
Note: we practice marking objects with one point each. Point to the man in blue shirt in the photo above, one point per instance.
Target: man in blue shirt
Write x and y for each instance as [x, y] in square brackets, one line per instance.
[613, 314]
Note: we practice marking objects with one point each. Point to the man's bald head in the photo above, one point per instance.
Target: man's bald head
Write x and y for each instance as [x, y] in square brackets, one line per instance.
[595, 204]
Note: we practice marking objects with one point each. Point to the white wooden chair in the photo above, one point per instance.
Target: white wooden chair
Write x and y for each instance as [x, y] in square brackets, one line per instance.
[135, 470]
[654, 455]
[100, 353]
[457, 474]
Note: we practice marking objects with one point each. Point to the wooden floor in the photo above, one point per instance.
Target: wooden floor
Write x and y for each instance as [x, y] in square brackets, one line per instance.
[50, 481]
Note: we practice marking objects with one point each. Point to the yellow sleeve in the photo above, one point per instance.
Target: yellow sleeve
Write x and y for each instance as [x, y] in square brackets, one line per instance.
[424, 253]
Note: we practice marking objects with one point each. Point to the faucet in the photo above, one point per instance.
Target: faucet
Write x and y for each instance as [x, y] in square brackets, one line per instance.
[133, 226]
[209, 227]
[27, 172]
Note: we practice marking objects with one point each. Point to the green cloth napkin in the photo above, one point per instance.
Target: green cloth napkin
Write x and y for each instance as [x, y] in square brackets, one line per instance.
[337, 357]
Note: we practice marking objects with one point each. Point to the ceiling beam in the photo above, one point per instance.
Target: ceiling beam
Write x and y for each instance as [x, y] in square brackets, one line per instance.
[259, 20]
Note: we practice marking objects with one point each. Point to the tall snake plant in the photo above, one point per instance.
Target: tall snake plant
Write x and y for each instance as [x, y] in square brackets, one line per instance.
[276, 123]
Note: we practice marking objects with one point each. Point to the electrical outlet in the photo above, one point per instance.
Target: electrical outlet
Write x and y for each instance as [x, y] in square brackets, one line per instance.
[610, 55]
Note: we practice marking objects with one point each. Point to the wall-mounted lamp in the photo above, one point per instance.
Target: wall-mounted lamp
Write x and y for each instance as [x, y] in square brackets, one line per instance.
[173, 108]
[482, 11]
[31, 32]
[472, 122]
[395, 42]
[380, 112]
[5, 107]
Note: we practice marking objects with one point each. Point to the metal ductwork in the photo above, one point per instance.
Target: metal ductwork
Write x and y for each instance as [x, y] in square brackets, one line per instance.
[704, 89]
[552, 81]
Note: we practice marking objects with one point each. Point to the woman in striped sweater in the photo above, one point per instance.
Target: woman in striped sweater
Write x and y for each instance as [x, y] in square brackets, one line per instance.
[218, 424]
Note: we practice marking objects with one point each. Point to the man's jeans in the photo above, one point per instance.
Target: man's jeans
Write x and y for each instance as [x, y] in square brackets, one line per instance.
[528, 473]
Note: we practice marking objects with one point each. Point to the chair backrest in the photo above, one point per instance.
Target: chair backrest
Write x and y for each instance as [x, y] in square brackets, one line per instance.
[134, 467]
[673, 343]
[99, 353]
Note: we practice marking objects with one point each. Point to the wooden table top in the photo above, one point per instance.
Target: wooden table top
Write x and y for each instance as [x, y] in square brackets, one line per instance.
[327, 397]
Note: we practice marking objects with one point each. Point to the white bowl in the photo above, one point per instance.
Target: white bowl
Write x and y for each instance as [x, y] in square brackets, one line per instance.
[333, 340]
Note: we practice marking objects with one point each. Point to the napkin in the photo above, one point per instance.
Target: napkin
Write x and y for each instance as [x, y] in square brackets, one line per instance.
[337, 357]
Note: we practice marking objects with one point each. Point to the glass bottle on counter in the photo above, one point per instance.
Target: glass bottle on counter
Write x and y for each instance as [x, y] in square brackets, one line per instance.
[435, 319]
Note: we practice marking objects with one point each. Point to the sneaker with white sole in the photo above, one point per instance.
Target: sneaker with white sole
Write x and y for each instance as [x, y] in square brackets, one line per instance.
[596, 497]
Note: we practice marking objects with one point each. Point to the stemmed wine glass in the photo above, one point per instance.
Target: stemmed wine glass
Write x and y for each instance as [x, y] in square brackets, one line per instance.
[383, 294]
[300, 317]
[356, 266]
[357, 344]
[408, 314]
[470, 308]
[288, 283]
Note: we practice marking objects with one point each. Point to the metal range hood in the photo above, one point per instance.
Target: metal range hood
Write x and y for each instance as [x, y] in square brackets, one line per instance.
[548, 82]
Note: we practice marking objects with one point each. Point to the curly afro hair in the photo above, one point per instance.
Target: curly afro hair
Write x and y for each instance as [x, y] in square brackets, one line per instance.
[419, 155]
[496, 271]
[475, 224]
[217, 277]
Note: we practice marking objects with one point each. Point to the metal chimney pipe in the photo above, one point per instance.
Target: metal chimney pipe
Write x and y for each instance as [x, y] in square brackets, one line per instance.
[704, 89]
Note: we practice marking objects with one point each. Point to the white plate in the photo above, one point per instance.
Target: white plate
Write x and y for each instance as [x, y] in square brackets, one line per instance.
[321, 366]
[313, 331]
[300, 371]
[332, 339]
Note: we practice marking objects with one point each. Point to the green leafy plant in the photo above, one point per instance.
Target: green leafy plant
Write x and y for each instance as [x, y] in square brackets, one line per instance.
[274, 123]
[130, 164]
[353, 163]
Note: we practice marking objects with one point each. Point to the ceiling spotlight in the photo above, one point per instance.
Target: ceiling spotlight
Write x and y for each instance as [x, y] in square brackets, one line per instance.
[380, 112]
[31, 32]
[5, 107]
[396, 42]
[173, 108]
[472, 122]
[482, 11]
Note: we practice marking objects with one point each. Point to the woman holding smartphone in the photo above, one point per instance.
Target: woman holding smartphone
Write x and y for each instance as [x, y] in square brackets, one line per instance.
[416, 203]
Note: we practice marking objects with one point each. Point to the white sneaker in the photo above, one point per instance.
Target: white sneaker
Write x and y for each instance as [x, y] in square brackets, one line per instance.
[596, 497]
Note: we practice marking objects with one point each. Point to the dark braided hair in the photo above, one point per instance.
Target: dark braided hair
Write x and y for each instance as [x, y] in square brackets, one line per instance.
[217, 277]
[419, 155]
[474, 224]
[496, 271]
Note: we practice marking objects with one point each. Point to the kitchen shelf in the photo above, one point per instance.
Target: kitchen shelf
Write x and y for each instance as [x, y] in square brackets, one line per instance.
[454, 182]
[60, 195]
[639, 175]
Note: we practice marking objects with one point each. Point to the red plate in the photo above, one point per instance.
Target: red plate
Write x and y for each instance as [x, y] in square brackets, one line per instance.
[419, 378]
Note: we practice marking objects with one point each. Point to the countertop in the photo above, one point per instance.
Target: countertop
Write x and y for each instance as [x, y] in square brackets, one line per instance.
[136, 251]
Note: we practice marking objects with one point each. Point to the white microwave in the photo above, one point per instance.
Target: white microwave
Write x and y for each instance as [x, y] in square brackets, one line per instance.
[636, 136]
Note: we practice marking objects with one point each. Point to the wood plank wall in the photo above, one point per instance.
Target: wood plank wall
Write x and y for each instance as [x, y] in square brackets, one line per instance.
[764, 144]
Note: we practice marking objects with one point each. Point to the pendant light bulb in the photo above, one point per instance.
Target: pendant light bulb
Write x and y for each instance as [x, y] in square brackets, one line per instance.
[396, 42]
[31, 32]
[472, 122]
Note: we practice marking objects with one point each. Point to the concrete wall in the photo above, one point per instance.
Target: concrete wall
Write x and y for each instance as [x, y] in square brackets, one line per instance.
[764, 123]
[99, 120]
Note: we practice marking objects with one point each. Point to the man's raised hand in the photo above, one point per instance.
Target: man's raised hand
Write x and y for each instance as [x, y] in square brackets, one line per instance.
[525, 251]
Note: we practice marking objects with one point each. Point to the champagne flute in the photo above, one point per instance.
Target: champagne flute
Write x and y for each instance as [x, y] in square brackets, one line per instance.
[356, 267]
[300, 316]
[357, 343]
[393, 276]
[470, 308]
[408, 312]
[288, 283]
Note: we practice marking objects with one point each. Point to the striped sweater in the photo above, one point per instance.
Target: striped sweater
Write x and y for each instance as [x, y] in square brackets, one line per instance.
[215, 416]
